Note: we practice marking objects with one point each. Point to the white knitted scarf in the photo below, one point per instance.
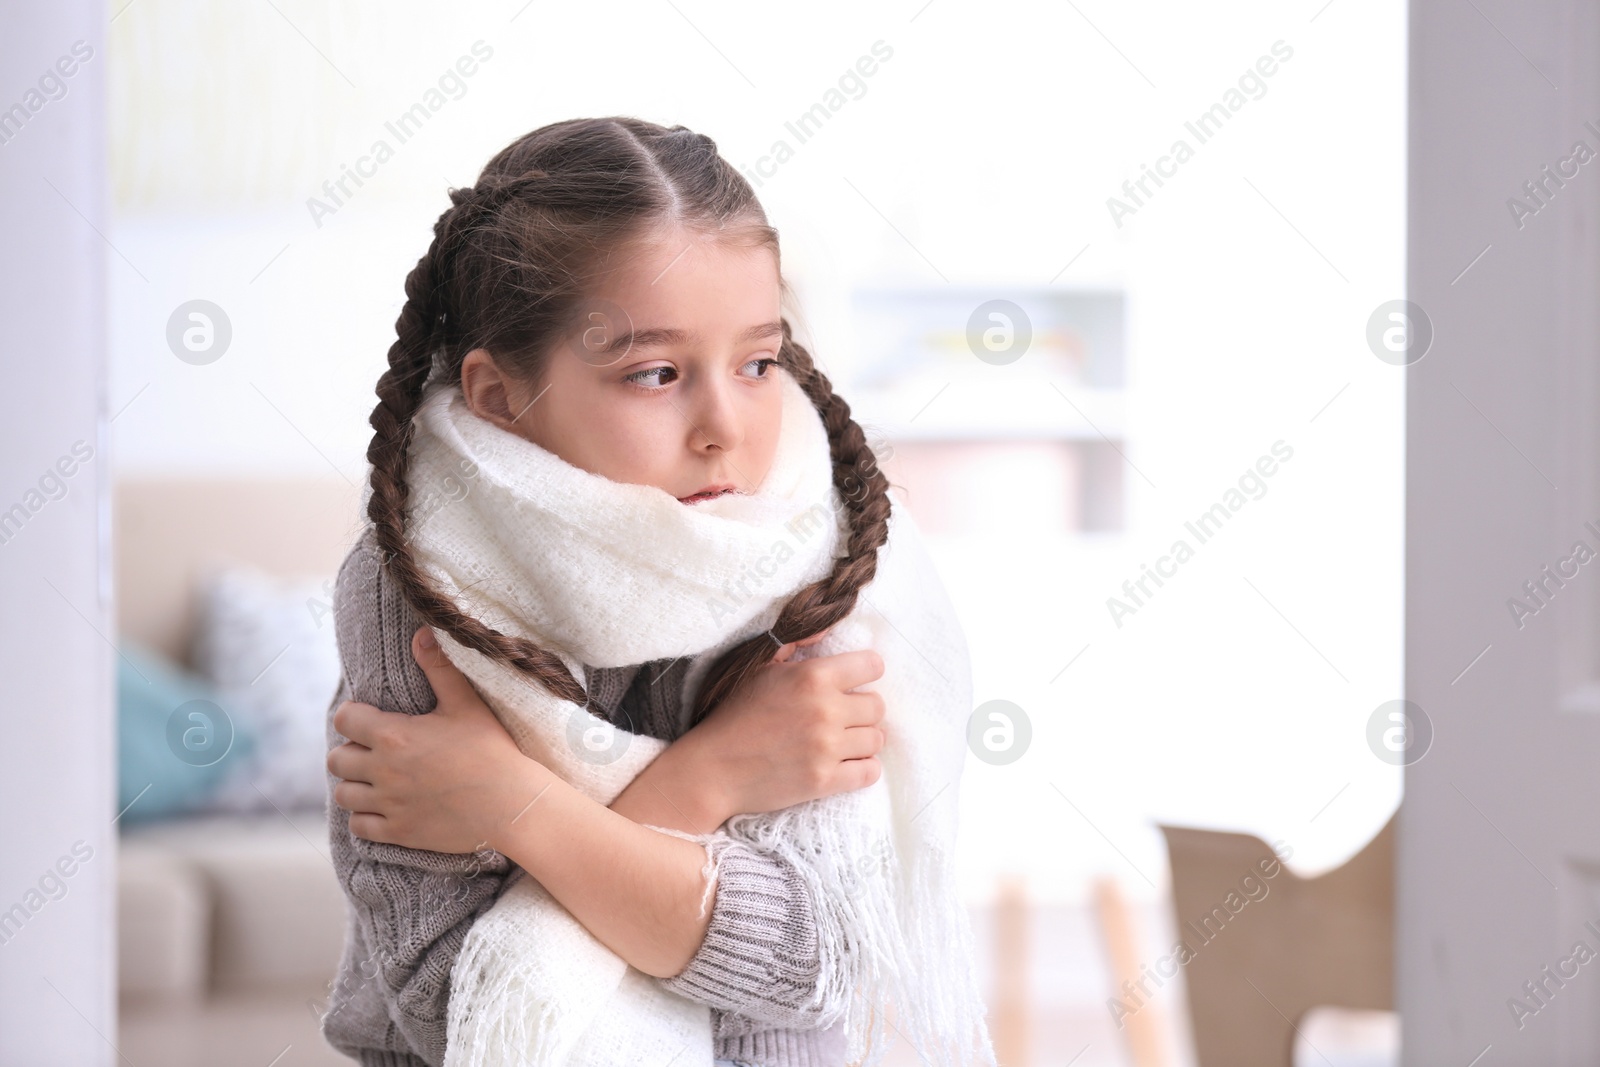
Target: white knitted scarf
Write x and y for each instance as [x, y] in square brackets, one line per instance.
[612, 574]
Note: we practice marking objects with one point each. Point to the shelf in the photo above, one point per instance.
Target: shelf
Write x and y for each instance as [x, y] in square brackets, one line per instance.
[1074, 336]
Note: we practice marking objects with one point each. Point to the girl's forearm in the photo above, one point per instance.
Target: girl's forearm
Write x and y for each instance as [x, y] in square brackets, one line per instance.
[636, 890]
[676, 791]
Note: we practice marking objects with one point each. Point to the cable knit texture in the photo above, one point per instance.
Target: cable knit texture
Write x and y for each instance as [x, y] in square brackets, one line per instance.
[409, 911]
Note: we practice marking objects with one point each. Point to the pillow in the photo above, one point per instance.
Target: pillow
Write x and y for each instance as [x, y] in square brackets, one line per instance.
[175, 743]
[267, 646]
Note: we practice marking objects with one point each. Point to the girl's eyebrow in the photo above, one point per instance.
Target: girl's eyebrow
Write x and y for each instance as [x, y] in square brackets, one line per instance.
[655, 336]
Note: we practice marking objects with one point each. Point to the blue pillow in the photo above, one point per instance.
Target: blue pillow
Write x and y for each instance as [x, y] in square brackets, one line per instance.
[175, 744]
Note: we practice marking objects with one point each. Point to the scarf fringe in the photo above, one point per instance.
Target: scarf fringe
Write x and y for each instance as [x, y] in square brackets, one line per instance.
[488, 1013]
[504, 1009]
[880, 946]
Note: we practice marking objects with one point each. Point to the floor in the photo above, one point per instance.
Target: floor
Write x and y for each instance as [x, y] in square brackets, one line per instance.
[1070, 1024]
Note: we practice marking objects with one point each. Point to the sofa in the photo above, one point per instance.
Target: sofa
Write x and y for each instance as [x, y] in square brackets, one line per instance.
[230, 925]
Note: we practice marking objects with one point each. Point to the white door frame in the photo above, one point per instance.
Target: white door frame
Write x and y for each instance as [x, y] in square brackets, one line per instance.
[57, 772]
[1498, 867]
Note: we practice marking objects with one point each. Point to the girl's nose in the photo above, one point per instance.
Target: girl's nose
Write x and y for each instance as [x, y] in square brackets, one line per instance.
[717, 420]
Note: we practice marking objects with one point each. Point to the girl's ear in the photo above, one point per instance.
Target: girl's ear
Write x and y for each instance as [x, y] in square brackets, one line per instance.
[486, 390]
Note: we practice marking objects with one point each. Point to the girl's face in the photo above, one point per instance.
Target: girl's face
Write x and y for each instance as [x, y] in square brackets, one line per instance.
[671, 379]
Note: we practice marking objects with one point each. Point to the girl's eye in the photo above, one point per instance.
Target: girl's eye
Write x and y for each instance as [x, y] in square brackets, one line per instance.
[640, 377]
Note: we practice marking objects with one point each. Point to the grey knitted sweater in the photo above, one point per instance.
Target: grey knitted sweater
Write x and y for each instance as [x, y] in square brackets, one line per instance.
[408, 911]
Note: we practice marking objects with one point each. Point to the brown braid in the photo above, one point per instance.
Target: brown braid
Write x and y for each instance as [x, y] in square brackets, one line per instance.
[399, 394]
[507, 271]
[863, 493]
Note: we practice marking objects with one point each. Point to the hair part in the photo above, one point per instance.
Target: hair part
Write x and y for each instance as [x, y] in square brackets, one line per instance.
[508, 271]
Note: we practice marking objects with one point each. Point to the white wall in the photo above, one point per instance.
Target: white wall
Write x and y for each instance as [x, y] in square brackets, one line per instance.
[990, 141]
[57, 790]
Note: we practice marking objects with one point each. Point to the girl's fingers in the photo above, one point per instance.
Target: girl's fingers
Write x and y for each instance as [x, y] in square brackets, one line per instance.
[370, 827]
[860, 773]
[861, 742]
[451, 688]
[785, 651]
[850, 669]
[863, 709]
[357, 722]
[356, 797]
[351, 761]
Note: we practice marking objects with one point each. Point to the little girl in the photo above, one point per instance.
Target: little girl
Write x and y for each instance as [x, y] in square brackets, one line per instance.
[610, 292]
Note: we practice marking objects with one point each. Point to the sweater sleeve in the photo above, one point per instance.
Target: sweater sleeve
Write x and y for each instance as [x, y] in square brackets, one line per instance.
[759, 964]
[760, 961]
[408, 911]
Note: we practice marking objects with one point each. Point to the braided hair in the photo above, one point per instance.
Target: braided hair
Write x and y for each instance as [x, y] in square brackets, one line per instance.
[506, 272]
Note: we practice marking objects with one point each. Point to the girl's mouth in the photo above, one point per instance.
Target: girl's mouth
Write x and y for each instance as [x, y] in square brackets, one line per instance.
[712, 494]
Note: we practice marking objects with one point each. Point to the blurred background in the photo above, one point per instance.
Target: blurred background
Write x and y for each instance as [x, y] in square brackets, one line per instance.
[1078, 344]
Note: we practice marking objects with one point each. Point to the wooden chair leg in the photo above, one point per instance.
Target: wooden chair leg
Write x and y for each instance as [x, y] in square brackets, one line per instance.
[1010, 1027]
[1141, 1028]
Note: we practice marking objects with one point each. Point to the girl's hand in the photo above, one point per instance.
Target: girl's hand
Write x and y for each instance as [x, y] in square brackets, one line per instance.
[794, 731]
[446, 781]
